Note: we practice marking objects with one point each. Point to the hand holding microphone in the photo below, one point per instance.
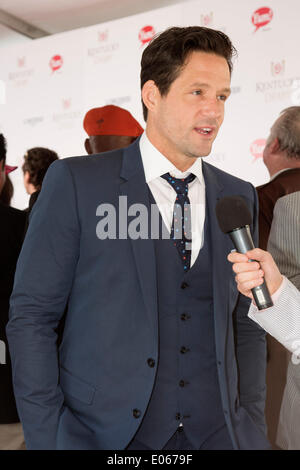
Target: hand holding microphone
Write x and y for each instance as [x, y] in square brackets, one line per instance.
[250, 275]
[234, 219]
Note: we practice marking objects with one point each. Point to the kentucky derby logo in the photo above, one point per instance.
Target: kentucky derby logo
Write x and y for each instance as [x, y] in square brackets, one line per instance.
[207, 20]
[21, 61]
[102, 35]
[277, 68]
[66, 103]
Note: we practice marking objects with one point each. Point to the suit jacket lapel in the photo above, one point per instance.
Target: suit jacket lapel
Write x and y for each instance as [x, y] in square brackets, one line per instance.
[136, 189]
[221, 246]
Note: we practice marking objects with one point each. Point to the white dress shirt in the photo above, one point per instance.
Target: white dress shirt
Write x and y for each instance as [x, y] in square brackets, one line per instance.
[155, 164]
[283, 319]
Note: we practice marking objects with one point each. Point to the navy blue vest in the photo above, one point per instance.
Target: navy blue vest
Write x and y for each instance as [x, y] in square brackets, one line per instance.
[186, 388]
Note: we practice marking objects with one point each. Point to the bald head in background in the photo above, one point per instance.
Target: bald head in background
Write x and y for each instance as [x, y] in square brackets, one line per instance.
[109, 128]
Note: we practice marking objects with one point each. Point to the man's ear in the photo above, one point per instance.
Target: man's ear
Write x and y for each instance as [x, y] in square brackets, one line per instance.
[87, 146]
[274, 146]
[26, 177]
[150, 95]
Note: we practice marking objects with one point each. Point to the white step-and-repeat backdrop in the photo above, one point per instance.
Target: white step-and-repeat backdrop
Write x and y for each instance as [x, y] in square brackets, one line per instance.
[47, 85]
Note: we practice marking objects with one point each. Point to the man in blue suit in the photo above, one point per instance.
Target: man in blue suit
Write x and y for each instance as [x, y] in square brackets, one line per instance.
[157, 351]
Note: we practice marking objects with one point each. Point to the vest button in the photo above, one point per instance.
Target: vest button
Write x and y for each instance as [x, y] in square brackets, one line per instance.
[184, 350]
[184, 285]
[185, 316]
[151, 362]
[136, 413]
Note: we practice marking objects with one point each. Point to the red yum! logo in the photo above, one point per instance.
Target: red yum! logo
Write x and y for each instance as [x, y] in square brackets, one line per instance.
[146, 34]
[56, 62]
[257, 148]
[262, 17]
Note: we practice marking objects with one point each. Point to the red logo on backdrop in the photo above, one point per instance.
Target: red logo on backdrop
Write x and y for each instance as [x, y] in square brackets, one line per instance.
[207, 19]
[56, 62]
[262, 17]
[146, 34]
[257, 148]
[21, 61]
[102, 35]
[66, 103]
[277, 68]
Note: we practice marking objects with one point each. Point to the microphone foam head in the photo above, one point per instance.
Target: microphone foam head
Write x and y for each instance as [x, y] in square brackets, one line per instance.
[232, 212]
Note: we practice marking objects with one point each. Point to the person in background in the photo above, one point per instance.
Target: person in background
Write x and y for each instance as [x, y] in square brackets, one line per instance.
[282, 321]
[7, 190]
[109, 128]
[12, 224]
[279, 233]
[36, 163]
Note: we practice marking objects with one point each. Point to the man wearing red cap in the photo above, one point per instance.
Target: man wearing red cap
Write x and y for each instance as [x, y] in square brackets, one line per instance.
[109, 128]
[12, 223]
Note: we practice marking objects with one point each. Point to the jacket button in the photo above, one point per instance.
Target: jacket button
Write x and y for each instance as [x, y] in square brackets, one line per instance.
[184, 350]
[184, 285]
[136, 413]
[151, 362]
[185, 316]
[177, 416]
[181, 383]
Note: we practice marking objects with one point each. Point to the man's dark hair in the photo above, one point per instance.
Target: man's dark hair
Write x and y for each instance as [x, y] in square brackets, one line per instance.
[37, 161]
[7, 192]
[2, 149]
[166, 55]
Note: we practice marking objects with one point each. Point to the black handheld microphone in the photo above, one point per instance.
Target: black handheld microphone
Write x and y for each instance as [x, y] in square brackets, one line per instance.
[234, 218]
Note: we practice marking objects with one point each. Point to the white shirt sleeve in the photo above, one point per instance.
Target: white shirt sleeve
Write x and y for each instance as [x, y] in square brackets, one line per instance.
[283, 319]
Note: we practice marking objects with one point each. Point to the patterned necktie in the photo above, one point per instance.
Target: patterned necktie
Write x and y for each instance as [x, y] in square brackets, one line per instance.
[181, 230]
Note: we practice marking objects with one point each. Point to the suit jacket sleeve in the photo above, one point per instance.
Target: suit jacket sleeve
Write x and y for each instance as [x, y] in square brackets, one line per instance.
[251, 350]
[43, 281]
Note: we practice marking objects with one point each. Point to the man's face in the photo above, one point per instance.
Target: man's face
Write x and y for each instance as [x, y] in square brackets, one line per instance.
[186, 121]
[2, 175]
[105, 143]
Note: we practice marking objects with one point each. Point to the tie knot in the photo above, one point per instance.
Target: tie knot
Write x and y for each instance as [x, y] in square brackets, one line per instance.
[180, 185]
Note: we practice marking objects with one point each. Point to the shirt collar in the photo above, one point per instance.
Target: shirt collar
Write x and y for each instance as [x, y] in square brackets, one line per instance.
[156, 164]
[279, 172]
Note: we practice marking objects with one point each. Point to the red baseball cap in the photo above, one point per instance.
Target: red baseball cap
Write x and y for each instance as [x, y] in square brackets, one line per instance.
[9, 169]
[111, 120]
